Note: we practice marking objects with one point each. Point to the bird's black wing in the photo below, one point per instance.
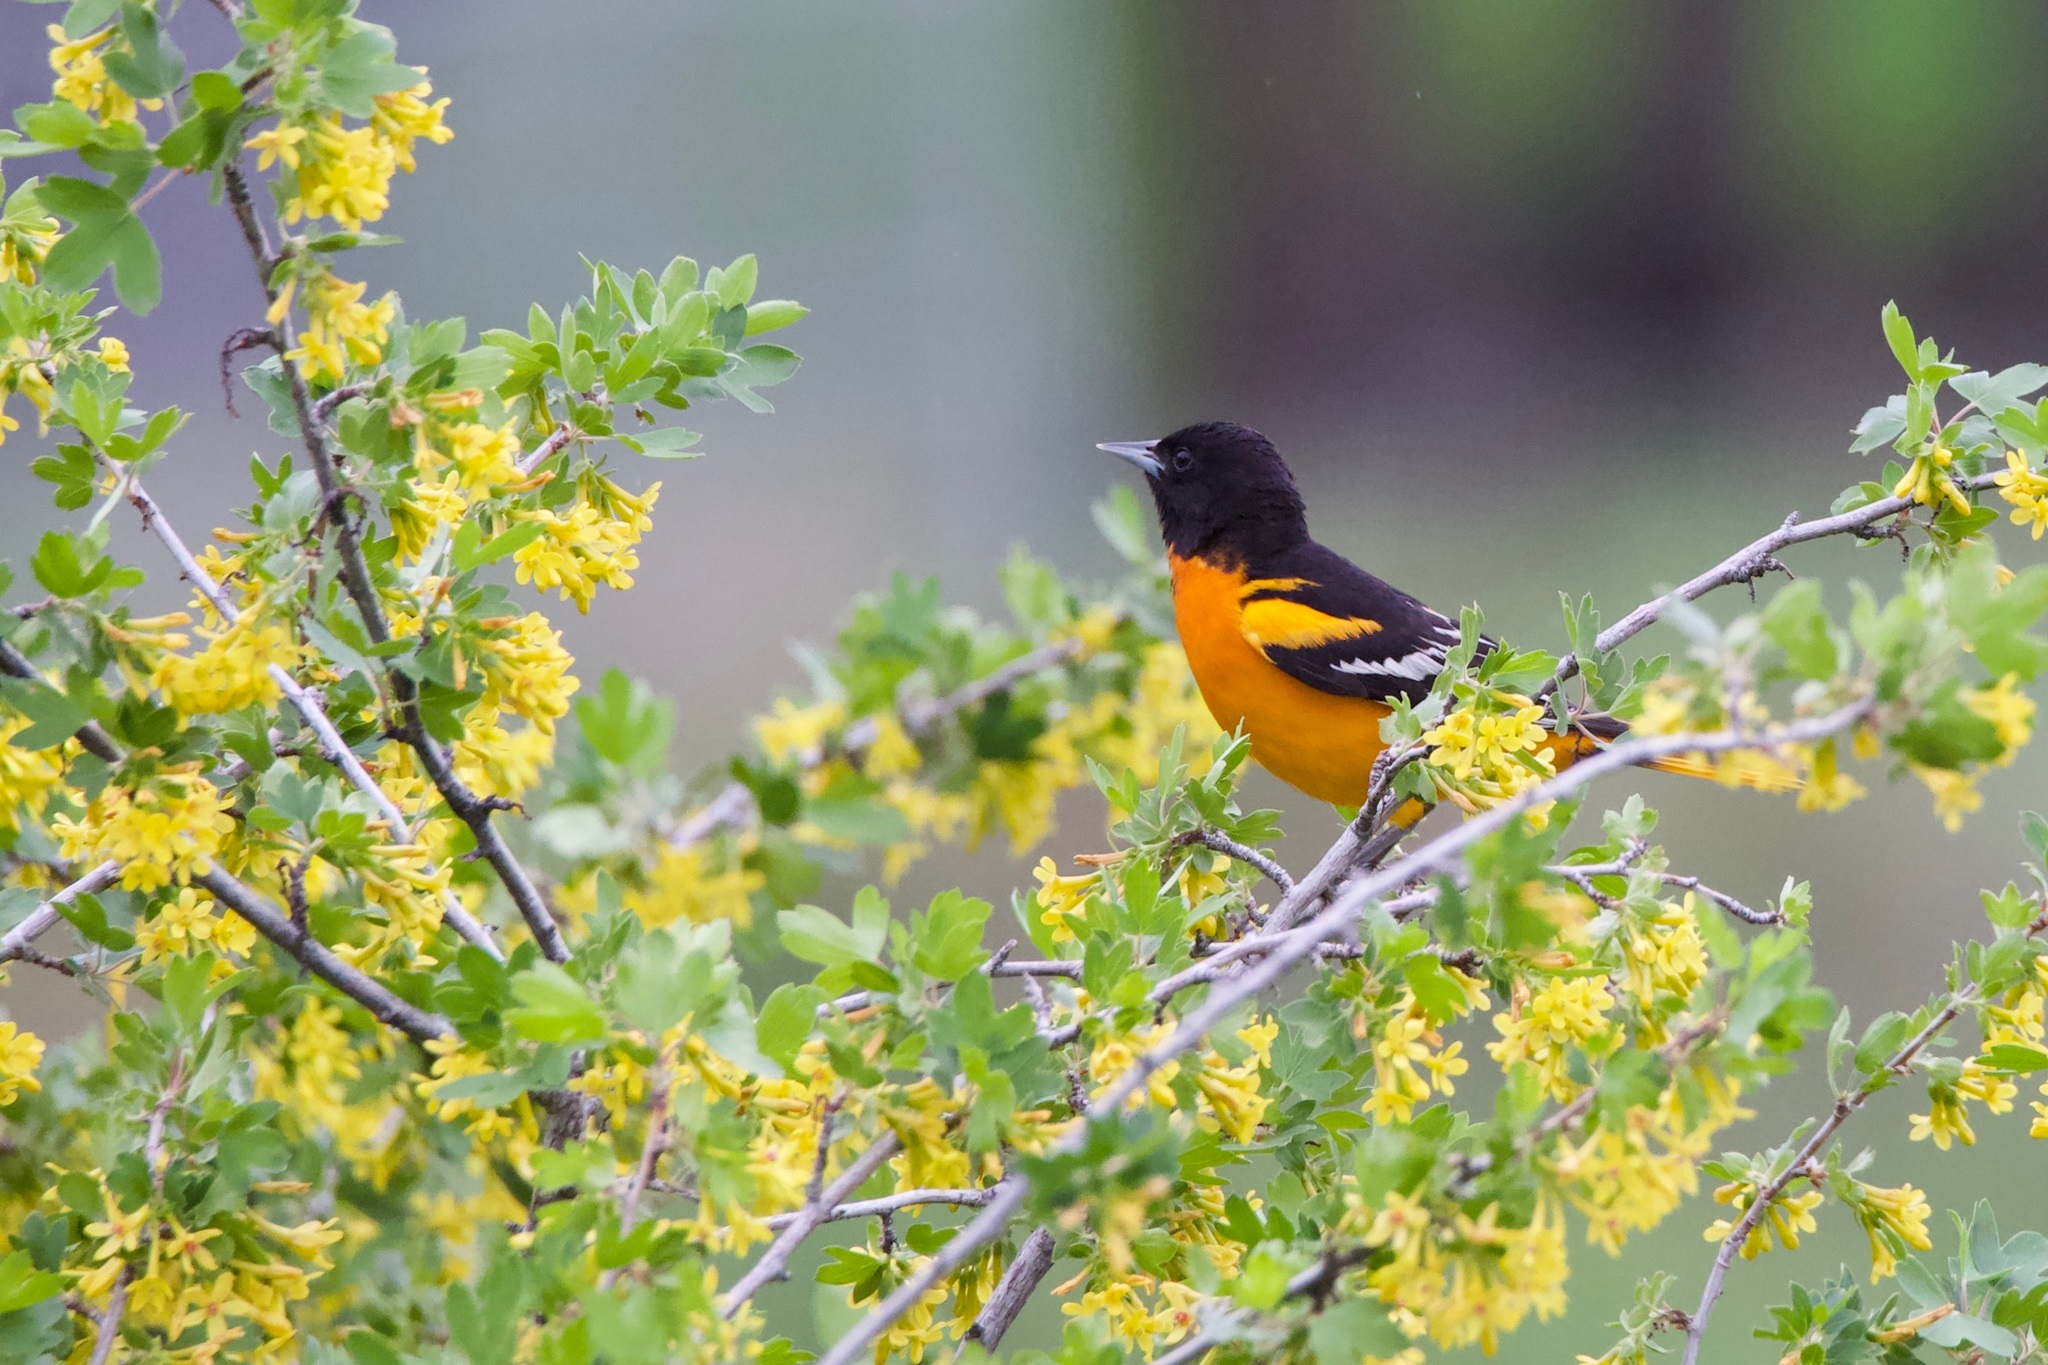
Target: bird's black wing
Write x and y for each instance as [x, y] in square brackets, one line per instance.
[1332, 625]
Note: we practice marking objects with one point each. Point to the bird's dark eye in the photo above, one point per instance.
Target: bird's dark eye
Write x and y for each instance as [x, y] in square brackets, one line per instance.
[1183, 460]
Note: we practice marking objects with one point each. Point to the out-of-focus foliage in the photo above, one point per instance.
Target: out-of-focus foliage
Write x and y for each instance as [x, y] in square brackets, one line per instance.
[439, 1012]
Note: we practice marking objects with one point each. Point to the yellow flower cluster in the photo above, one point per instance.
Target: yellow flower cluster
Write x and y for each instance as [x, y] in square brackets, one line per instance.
[1410, 1060]
[160, 833]
[2027, 490]
[1664, 957]
[681, 885]
[187, 924]
[1928, 481]
[526, 672]
[1947, 1118]
[1788, 1216]
[21, 1052]
[1895, 1220]
[1629, 1179]
[178, 1284]
[341, 329]
[231, 671]
[1567, 1013]
[1465, 1280]
[345, 173]
[82, 78]
[590, 542]
[23, 243]
[27, 776]
[311, 1069]
[1480, 759]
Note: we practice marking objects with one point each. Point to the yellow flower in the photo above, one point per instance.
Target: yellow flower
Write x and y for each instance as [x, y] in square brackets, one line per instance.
[1955, 793]
[1568, 1012]
[180, 927]
[114, 354]
[82, 78]
[797, 732]
[2026, 490]
[1666, 959]
[232, 670]
[1894, 1220]
[1061, 900]
[681, 886]
[2009, 710]
[527, 672]
[280, 143]
[21, 1053]
[1827, 787]
[161, 833]
[404, 117]
[1945, 1119]
[1787, 1217]
[586, 545]
[27, 776]
[1928, 482]
[340, 328]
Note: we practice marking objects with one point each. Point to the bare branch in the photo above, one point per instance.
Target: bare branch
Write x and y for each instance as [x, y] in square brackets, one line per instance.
[1230, 848]
[274, 924]
[19, 941]
[362, 590]
[807, 1220]
[888, 1203]
[1744, 566]
[107, 1330]
[1013, 1291]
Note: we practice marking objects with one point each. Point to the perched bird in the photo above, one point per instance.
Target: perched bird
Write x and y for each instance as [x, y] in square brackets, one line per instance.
[1286, 637]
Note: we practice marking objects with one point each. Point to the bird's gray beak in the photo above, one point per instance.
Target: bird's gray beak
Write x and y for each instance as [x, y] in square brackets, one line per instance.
[1138, 453]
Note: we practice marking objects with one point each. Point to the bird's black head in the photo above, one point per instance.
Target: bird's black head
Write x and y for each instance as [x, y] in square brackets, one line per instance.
[1220, 489]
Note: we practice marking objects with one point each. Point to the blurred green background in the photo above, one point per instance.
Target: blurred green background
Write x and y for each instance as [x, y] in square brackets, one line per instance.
[1534, 296]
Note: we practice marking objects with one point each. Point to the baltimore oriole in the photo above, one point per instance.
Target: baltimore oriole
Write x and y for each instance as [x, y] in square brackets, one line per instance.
[1289, 639]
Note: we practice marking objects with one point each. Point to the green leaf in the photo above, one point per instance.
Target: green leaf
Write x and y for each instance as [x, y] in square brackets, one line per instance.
[553, 1008]
[946, 940]
[773, 314]
[107, 233]
[1898, 334]
[787, 1018]
[1797, 624]
[815, 935]
[153, 66]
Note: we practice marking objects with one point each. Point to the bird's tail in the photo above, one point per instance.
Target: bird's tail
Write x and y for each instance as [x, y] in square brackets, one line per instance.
[1735, 768]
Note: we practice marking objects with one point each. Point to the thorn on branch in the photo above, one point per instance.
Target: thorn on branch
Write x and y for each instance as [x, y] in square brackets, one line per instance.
[243, 339]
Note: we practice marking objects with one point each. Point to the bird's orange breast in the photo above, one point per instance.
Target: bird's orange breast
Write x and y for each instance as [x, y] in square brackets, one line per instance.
[1314, 740]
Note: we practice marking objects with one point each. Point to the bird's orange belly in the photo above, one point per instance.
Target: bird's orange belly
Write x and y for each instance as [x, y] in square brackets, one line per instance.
[1320, 743]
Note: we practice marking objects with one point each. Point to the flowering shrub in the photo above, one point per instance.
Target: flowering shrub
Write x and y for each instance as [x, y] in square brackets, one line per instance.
[439, 1019]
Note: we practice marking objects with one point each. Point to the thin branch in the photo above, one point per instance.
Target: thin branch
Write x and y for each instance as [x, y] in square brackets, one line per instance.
[890, 1203]
[274, 924]
[1013, 1291]
[546, 450]
[362, 589]
[1802, 1160]
[733, 803]
[1222, 843]
[332, 747]
[808, 1218]
[1744, 566]
[19, 941]
[107, 1330]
